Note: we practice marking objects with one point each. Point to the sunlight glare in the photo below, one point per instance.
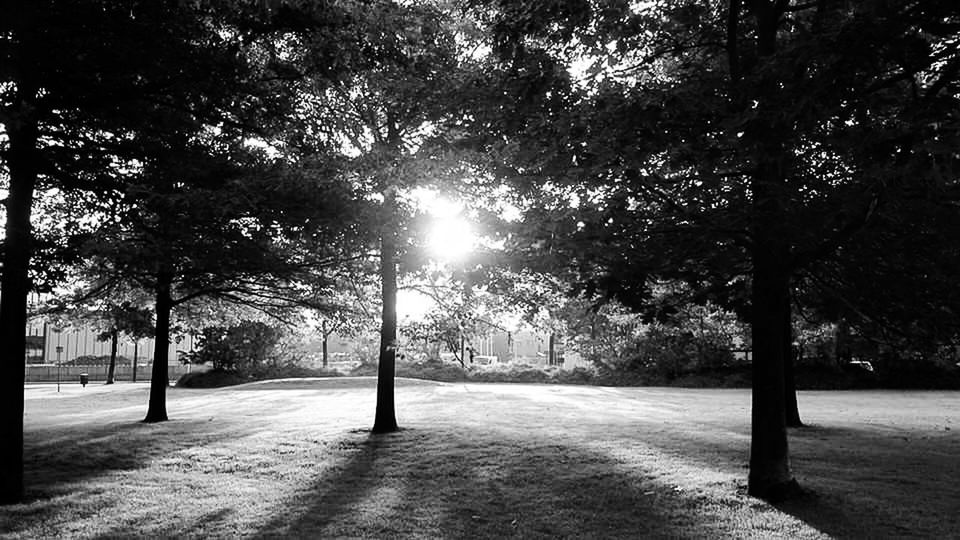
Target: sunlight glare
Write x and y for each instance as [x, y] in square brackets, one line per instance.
[413, 305]
[450, 239]
[451, 236]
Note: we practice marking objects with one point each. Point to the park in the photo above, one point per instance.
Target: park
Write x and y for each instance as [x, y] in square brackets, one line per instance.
[479, 268]
[295, 458]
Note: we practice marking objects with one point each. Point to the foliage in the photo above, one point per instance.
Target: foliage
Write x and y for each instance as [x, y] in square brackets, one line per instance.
[92, 360]
[243, 348]
[216, 378]
[728, 145]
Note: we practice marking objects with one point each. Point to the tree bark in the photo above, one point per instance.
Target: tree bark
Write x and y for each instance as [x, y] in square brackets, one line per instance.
[551, 350]
[770, 477]
[157, 406]
[326, 336]
[111, 371]
[22, 136]
[385, 419]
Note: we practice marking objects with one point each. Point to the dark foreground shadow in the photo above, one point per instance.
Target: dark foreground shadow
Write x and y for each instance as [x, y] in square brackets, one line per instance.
[437, 484]
[873, 483]
[55, 459]
[859, 483]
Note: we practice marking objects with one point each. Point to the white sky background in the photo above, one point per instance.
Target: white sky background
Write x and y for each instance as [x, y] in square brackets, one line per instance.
[450, 238]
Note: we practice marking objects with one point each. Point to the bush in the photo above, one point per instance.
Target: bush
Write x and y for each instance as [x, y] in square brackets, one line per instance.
[917, 373]
[91, 360]
[513, 373]
[365, 368]
[215, 378]
[243, 348]
[292, 371]
[434, 370]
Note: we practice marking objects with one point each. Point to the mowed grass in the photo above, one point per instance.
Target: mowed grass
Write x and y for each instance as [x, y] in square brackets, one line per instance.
[295, 459]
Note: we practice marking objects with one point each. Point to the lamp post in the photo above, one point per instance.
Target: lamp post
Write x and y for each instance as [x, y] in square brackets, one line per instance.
[59, 351]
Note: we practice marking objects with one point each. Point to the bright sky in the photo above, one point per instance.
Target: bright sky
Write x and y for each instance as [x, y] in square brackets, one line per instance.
[413, 305]
[449, 239]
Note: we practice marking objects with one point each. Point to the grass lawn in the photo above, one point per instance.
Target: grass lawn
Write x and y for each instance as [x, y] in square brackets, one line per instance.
[294, 459]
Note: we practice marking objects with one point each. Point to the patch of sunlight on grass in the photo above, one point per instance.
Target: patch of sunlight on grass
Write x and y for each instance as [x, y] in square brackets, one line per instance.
[517, 461]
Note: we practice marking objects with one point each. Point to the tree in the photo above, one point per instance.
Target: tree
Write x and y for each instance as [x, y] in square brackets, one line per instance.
[85, 87]
[75, 80]
[916, 315]
[390, 117]
[233, 228]
[110, 311]
[242, 348]
[725, 140]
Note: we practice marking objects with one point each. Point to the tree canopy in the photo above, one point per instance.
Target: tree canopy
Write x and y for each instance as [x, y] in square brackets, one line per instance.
[680, 159]
[725, 144]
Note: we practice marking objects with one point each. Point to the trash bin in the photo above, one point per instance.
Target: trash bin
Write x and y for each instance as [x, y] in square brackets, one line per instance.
[84, 379]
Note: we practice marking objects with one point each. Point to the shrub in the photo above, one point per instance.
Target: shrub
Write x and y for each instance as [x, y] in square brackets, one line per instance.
[243, 348]
[92, 360]
[292, 371]
[214, 378]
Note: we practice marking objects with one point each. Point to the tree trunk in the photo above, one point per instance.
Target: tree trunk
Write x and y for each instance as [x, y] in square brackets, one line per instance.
[551, 350]
[136, 347]
[157, 407]
[326, 336]
[111, 371]
[792, 408]
[385, 419]
[22, 135]
[770, 476]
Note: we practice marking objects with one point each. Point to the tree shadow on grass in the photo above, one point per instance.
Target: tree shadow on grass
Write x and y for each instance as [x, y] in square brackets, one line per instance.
[859, 483]
[436, 483]
[873, 483]
[57, 459]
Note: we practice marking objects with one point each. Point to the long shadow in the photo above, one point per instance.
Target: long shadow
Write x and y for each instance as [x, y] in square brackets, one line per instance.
[437, 483]
[859, 483]
[865, 483]
[56, 458]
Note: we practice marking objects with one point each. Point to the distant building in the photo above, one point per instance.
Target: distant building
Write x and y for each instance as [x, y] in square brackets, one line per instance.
[528, 347]
[47, 344]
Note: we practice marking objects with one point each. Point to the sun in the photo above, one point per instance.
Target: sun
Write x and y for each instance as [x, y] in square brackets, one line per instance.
[450, 238]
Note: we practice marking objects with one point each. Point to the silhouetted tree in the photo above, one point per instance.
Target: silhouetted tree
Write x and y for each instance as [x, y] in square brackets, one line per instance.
[723, 139]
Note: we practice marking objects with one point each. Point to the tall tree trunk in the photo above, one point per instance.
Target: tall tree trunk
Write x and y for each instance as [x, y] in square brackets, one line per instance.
[22, 136]
[326, 336]
[385, 419]
[157, 407]
[792, 408]
[770, 476]
[136, 347]
[551, 350]
[111, 371]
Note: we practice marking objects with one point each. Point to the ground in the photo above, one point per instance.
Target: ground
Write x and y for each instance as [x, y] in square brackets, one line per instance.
[294, 458]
